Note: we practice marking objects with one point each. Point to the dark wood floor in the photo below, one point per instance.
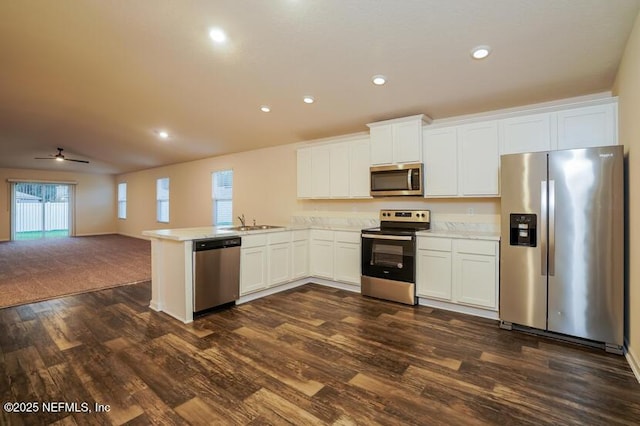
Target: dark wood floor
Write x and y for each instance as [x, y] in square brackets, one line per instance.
[312, 355]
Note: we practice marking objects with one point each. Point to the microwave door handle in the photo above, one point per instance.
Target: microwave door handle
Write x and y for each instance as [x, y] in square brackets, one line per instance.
[409, 187]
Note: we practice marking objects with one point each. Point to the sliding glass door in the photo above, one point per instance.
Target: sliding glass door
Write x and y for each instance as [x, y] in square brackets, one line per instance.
[41, 210]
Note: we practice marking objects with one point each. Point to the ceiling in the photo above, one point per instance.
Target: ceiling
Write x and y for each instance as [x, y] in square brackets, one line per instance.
[100, 79]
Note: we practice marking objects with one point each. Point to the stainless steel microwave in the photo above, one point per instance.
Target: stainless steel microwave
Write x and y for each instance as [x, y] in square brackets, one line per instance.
[396, 180]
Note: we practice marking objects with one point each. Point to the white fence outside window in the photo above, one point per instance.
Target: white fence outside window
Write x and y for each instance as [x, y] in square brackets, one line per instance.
[30, 216]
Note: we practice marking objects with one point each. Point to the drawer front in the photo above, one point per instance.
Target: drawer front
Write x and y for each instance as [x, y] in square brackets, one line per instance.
[437, 244]
[279, 237]
[488, 248]
[300, 235]
[254, 240]
[347, 237]
[320, 234]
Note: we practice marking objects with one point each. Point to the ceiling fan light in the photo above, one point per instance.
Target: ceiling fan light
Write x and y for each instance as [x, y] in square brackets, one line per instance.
[59, 158]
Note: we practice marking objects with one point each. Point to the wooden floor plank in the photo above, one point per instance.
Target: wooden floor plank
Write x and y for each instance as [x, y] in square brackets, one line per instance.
[309, 355]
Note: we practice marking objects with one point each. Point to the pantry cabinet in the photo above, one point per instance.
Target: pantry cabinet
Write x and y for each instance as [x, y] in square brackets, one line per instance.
[397, 141]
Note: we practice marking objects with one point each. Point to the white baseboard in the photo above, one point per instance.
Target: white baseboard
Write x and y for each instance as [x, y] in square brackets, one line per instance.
[93, 234]
[469, 310]
[138, 236]
[335, 284]
[634, 362]
[269, 291]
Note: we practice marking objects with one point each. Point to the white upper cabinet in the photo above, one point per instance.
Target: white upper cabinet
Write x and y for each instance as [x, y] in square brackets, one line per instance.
[462, 161]
[304, 172]
[381, 138]
[479, 159]
[588, 126]
[529, 133]
[338, 169]
[441, 162]
[398, 140]
[321, 171]
[359, 183]
[339, 166]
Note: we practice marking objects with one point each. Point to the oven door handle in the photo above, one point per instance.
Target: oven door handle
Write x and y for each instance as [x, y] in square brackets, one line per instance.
[388, 237]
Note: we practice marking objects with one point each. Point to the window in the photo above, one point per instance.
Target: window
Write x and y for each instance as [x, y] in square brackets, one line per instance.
[162, 198]
[222, 198]
[122, 200]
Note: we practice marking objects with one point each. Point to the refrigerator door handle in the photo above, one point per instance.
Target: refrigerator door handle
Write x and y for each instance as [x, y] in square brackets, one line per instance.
[543, 227]
[552, 227]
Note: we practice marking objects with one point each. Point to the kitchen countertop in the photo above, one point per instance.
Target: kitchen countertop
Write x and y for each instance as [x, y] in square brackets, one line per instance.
[189, 234]
[462, 234]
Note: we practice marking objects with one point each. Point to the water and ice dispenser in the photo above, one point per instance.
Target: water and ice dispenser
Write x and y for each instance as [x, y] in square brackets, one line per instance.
[523, 229]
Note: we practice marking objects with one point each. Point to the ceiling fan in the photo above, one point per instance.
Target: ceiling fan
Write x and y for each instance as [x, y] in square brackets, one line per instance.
[60, 157]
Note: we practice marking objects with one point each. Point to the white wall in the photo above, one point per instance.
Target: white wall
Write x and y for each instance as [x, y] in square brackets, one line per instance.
[627, 88]
[95, 195]
[264, 188]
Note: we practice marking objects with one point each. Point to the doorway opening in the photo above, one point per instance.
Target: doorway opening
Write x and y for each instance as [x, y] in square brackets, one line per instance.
[41, 210]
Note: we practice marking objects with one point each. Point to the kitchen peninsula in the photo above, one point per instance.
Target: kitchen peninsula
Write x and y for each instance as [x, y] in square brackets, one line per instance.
[272, 260]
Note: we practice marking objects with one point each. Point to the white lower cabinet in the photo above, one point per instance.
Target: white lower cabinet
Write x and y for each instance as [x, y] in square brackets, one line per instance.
[347, 257]
[463, 272]
[299, 254]
[321, 250]
[279, 257]
[335, 255]
[434, 268]
[253, 264]
[265, 261]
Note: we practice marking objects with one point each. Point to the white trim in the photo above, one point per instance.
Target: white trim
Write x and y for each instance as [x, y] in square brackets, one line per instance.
[94, 234]
[63, 182]
[335, 284]
[553, 106]
[271, 290]
[634, 362]
[469, 310]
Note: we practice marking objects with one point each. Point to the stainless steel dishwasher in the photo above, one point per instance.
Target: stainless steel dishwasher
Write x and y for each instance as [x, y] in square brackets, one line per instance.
[216, 272]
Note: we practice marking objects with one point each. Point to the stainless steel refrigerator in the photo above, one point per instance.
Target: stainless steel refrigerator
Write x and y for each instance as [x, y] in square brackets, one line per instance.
[562, 246]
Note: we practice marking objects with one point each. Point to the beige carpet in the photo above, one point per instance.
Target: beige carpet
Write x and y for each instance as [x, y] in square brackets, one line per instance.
[36, 270]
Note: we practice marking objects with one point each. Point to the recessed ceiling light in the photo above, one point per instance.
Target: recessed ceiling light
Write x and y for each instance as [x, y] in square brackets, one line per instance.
[163, 134]
[265, 108]
[308, 99]
[480, 52]
[379, 80]
[217, 35]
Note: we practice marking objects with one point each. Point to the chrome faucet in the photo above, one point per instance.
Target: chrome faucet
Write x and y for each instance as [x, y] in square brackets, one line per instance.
[242, 219]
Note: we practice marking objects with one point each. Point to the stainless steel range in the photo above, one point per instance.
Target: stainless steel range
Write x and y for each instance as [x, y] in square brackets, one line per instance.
[388, 255]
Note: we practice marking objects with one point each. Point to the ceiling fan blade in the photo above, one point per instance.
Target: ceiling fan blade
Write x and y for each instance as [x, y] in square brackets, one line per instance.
[77, 161]
[44, 158]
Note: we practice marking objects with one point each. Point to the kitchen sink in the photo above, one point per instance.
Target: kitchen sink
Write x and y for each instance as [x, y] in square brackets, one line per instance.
[254, 227]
